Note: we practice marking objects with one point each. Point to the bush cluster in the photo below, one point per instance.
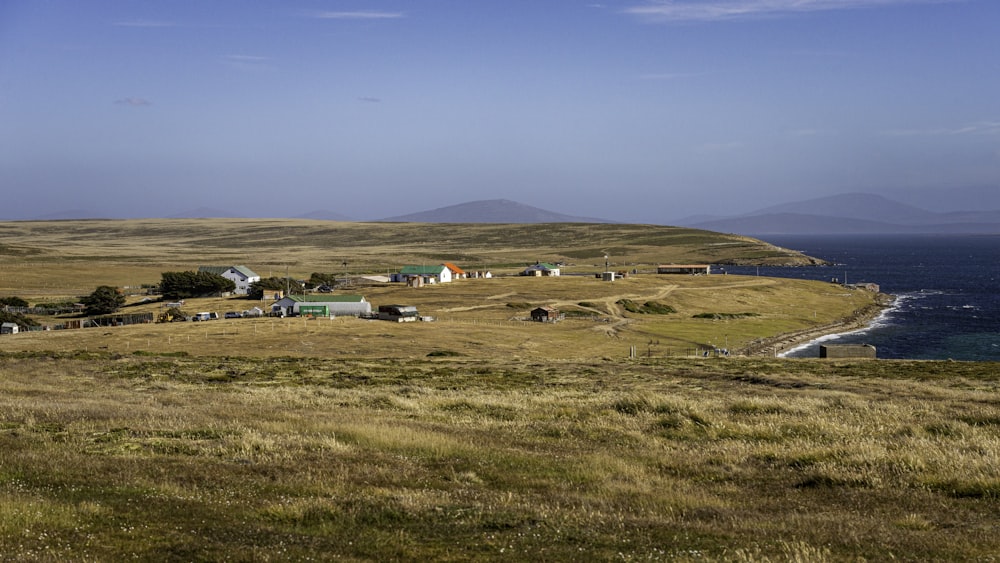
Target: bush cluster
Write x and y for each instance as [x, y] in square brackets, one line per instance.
[184, 285]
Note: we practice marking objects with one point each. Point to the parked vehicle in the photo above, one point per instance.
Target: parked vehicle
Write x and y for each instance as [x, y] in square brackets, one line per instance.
[233, 315]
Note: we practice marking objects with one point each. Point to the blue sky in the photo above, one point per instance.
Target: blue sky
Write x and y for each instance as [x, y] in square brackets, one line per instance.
[632, 110]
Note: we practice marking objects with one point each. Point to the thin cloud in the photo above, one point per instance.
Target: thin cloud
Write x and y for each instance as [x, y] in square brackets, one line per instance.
[720, 147]
[669, 75]
[133, 102]
[808, 132]
[247, 58]
[981, 128]
[370, 99]
[716, 10]
[248, 62]
[360, 15]
[143, 23]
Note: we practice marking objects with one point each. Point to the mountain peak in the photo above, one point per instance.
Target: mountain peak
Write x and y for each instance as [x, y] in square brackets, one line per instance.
[490, 211]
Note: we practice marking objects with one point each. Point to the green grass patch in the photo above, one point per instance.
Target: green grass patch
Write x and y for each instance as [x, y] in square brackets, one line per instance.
[724, 316]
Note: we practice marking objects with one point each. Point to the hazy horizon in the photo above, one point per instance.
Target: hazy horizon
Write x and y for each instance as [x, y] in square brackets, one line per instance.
[639, 111]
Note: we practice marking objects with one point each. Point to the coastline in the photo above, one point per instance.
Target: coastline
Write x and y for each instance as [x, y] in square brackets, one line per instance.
[776, 346]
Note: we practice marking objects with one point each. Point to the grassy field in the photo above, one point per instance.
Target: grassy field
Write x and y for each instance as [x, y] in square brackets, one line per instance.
[134, 252]
[484, 318]
[478, 436]
[162, 457]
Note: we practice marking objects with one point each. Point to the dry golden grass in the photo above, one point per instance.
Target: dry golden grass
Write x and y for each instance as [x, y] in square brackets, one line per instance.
[292, 439]
[109, 456]
[91, 253]
[475, 319]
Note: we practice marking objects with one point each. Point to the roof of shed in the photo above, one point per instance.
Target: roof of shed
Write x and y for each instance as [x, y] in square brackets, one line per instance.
[422, 270]
[341, 298]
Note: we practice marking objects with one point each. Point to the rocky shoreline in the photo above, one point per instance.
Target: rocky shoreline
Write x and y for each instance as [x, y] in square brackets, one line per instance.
[775, 345]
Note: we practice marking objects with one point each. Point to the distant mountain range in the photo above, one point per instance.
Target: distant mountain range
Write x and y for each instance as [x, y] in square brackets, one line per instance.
[854, 213]
[491, 211]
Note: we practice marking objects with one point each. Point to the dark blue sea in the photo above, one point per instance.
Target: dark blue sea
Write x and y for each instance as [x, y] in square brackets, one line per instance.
[947, 290]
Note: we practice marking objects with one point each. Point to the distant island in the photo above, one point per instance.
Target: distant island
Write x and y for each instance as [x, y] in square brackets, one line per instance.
[853, 213]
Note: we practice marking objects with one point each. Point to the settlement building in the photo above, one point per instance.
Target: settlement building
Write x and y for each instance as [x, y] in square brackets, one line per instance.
[240, 275]
[398, 313]
[419, 275]
[456, 272]
[9, 328]
[541, 269]
[321, 305]
[546, 315]
[692, 269]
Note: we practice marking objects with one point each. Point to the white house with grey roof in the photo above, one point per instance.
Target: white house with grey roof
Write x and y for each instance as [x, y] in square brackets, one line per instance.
[240, 275]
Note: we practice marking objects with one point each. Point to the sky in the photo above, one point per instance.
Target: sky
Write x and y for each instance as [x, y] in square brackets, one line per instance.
[634, 110]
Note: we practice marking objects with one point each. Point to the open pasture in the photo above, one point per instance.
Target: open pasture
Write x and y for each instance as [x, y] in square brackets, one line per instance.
[487, 318]
[62, 260]
[69, 257]
[478, 436]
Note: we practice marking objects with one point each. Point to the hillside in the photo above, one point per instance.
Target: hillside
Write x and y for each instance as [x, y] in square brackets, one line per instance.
[146, 247]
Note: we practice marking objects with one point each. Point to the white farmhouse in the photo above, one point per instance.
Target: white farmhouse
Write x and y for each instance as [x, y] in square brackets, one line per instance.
[240, 275]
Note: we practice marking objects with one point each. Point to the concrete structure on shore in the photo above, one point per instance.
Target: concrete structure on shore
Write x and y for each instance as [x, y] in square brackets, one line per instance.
[847, 351]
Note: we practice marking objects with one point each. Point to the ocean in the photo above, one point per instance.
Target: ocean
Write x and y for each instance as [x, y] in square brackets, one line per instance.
[947, 290]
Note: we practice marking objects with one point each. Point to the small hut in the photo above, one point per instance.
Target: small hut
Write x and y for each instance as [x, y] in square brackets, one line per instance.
[545, 314]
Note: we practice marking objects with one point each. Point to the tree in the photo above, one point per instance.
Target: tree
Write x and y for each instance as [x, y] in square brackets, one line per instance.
[18, 319]
[104, 300]
[266, 285]
[13, 301]
[182, 285]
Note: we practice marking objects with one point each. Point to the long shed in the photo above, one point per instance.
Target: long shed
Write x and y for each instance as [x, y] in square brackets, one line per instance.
[322, 305]
[684, 269]
[423, 274]
[398, 313]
